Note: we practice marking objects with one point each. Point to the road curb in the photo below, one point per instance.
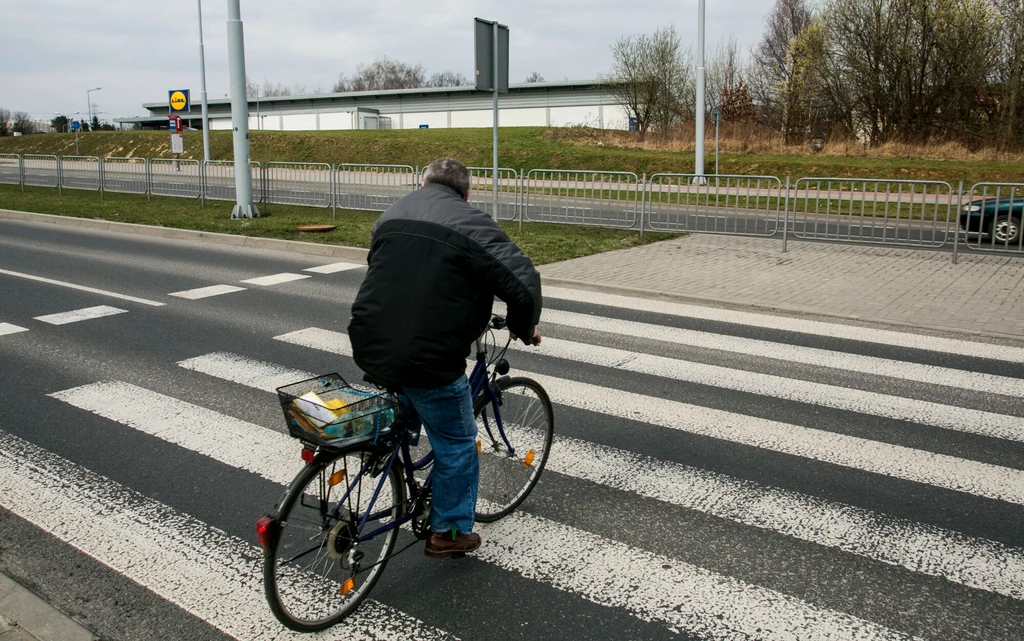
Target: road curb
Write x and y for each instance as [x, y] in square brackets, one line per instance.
[359, 254]
[31, 614]
[295, 246]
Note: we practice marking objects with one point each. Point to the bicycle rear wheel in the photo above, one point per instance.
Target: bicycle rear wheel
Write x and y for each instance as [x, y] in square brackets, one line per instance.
[524, 421]
[318, 568]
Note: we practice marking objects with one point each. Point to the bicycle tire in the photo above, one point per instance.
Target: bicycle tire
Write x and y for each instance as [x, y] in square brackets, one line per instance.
[527, 419]
[304, 570]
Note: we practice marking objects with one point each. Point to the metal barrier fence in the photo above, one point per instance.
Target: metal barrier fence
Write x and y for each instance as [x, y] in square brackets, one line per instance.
[991, 217]
[299, 183]
[219, 180]
[913, 213]
[604, 198]
[179, 178]
[741, 205]
[10, 169]
[80, 172]
[40, 170]
[372, 187]
[481, 191]
[126, 175]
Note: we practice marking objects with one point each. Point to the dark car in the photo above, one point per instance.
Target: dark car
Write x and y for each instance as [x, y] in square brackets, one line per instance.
[998, 218]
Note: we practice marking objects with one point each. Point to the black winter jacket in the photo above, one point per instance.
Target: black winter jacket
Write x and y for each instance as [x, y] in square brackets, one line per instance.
[435, 265]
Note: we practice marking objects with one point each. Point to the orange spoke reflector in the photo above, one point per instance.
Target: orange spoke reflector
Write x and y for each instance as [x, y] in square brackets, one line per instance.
[528, 459]
[478, 447]
[336, 478]
[347, 586]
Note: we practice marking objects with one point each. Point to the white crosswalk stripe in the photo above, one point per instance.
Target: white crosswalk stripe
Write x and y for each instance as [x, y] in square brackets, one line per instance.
[967, 560]
[949, 472]
[218, 578]
[9, 328]
[199, 568]
[652, 587]
[334, 268]
[275, 279]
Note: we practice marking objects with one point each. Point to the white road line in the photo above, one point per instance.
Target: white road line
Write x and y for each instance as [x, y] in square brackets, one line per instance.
[83, 288]
[209, 574]
[8, 328]
[801, 326]
[206, 292]
[276, 279]
[334, 268]
[930, 374]
[863, 402]
[651, 587]
[896, 461]
[970, 561]
[87, 313]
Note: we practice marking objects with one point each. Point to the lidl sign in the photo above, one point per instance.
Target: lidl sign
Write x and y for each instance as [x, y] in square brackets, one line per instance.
[179, 100]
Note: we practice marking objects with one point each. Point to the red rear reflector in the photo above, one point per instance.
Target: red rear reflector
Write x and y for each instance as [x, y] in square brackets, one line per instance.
[307, 455]
[264, 530]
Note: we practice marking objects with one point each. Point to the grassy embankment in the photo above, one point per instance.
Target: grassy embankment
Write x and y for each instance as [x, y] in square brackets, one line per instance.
[520, 148]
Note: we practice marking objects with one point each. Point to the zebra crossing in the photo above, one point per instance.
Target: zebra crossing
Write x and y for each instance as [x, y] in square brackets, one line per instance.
[620, 371]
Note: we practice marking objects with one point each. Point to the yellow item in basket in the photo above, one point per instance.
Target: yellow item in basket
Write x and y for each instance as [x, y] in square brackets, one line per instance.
[313, 413]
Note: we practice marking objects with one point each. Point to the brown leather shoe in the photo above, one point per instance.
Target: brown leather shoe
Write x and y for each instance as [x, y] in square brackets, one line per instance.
[442, 545]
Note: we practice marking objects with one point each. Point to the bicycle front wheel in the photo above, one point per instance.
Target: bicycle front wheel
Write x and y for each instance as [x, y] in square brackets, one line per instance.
[325, 558]
[515, 426]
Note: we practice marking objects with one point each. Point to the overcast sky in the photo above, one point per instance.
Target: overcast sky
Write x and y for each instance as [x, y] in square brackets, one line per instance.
[136, 50]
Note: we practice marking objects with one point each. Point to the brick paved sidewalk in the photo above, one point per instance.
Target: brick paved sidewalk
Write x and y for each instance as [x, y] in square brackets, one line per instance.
[920, 288]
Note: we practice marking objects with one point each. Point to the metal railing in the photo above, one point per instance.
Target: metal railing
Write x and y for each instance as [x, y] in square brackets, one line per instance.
[914, 213]
[219, 180]
[990, 215]
[481, 191]
[372, 187]
[298, 183]
[741, 205]
[10, 169]
[178, 178]
[81, 172]
[908, 213]
[126, 175]
[601, 198]
[41, 170]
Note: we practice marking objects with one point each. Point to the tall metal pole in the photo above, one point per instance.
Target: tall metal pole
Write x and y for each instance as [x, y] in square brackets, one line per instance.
[698, 159]
[239, 115]
[494, 176]
[202, 88]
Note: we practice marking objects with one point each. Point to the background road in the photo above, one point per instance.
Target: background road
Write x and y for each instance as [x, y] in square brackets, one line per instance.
[717, 474]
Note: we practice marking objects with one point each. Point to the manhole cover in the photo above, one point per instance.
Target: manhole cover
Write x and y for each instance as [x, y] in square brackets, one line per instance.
[316, 229]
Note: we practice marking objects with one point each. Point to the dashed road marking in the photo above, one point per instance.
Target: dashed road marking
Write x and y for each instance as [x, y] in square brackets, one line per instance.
[275, 279]
[206, 292]
[334, 268]
[87, 313]
[8, 328]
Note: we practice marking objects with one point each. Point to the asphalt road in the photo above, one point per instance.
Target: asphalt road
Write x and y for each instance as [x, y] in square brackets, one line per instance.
[716, 474]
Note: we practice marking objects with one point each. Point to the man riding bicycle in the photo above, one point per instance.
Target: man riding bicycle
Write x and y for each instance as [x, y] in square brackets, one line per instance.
[435, 265]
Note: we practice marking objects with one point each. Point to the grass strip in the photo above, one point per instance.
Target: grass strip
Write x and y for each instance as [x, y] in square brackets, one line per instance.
[543, 242]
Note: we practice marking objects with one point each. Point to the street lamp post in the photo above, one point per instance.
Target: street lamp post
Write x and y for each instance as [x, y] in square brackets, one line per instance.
[88, 102]
[202, 88]
[699, 114]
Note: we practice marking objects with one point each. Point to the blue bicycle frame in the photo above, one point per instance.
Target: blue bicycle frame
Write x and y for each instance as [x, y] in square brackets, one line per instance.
[478, 381]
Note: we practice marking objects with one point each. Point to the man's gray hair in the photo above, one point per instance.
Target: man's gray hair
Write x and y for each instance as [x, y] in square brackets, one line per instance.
[450, 172]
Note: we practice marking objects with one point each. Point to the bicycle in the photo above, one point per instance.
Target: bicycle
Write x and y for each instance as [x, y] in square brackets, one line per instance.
[333, 532]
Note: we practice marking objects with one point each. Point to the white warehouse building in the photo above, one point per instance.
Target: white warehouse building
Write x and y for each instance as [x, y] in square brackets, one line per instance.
[540, 104]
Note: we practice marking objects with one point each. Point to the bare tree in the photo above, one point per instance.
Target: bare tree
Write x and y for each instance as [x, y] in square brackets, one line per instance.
[447, 79]
[650, 78]
[772, 68]
[341, 85]
[723, 69]
[534, 77]
[5, 121]
[23, 123]
[385, 73]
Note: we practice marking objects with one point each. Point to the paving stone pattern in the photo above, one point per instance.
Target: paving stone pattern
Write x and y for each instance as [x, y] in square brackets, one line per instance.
[980, 294]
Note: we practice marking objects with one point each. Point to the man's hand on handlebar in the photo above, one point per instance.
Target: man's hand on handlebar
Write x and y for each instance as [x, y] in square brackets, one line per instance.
[534, 340]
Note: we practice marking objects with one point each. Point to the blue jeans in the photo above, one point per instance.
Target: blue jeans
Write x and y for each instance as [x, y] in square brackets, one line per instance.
[447, 414]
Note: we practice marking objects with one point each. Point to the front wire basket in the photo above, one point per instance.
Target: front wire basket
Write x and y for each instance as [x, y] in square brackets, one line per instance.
[328, 412]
